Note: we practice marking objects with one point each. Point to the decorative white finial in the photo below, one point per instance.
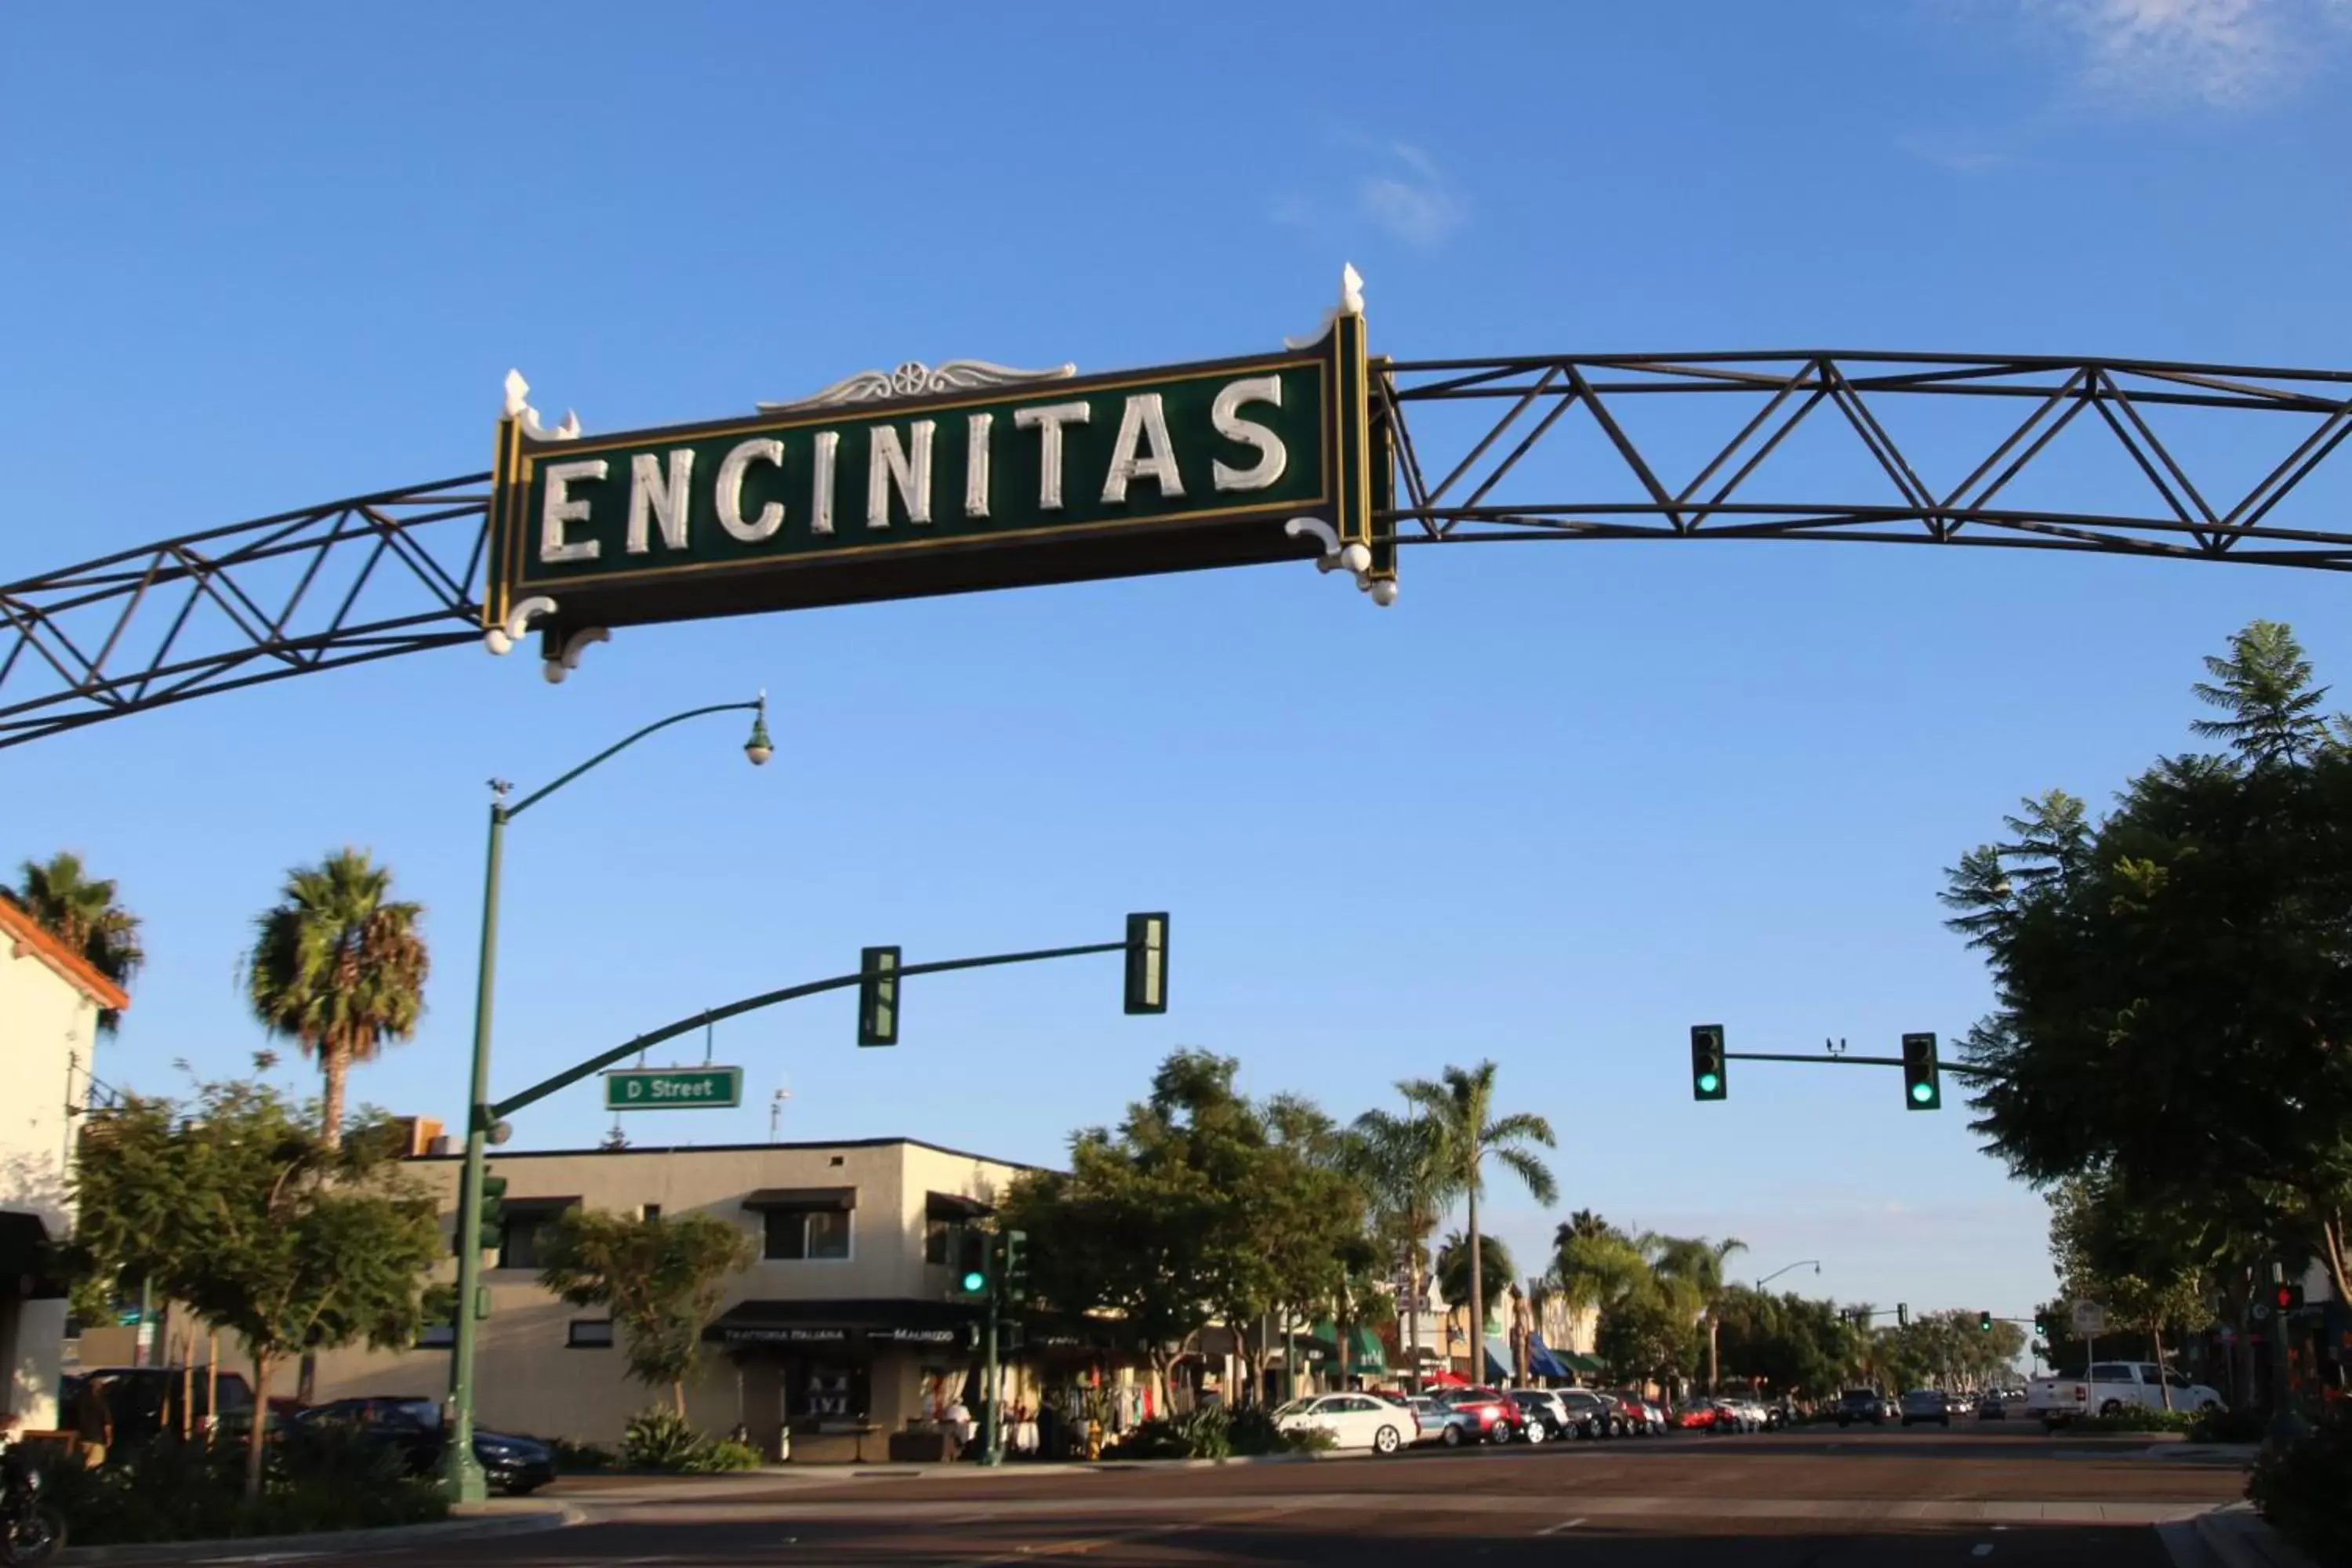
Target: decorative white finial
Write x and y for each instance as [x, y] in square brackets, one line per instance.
[518, 408]
[501, 638]
[1352, 303]
[556, 669]
[1356, 560]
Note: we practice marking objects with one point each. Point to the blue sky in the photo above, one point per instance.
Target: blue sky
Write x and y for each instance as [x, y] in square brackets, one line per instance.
[1552, 808]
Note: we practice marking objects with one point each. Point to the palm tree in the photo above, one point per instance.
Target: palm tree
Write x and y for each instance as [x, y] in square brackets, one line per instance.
[1594, 1263]
[81, 912]
[1462, 1103]
[1412, 1183]
[339, 967]
[1697, 1264]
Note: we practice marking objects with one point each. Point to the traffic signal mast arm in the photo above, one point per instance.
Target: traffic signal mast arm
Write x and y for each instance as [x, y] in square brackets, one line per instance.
[573, 1075]
[1856, 1061]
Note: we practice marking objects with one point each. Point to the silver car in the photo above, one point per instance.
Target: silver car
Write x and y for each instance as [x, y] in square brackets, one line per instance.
[1927, 1404]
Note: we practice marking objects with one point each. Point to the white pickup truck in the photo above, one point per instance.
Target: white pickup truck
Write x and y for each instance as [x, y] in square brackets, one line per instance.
[2112, 1386]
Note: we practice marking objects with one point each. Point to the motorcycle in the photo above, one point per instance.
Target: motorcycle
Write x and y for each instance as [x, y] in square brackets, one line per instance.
[31, 1531]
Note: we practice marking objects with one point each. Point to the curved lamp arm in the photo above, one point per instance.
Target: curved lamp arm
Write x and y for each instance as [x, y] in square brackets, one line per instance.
[758, 748]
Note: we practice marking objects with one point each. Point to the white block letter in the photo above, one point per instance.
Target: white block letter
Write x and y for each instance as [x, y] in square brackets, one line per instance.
[656, 498]
[1225, 414]
[1047, 421]
[888, 466]
[1145, 423]
[828, 442]
[727, 496]
[975, 466]
[561, 509]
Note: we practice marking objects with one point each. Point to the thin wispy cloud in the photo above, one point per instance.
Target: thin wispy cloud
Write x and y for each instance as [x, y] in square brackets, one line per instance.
[2222, 54]
[1412, 199]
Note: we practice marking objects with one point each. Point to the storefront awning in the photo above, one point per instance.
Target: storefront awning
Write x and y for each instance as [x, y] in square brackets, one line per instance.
[30, 1266]
[1542, 1362]
[954, 1206]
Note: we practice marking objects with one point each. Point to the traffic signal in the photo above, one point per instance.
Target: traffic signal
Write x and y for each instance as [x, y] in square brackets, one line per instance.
[1984, 1321]
[2041, 1326]
[1903, 1314]
[491, 1232]
[972, 1266]
[1146, 963]
[1012, 1261]
[877, 996]
[1920, 1089]
[1708, 1080]
[2287, 1297]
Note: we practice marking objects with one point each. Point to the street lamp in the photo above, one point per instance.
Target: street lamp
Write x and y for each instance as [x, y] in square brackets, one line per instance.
[461, 1473]
[1778, 1272]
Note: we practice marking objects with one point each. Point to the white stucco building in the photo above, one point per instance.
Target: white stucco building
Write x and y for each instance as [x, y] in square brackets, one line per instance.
[50, 1003]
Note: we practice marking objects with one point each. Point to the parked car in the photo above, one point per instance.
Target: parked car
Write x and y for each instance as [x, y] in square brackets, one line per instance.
[1734, 1416]
[1542, 1413]
[1861, 1404]
[1696, 1416]
[2112, 1387]
[1645, 1416]
[515, 1466]
[1992, 1407]
[1496, 1418]
[1438, 1423]
[1927, 1404]
[144, 1401]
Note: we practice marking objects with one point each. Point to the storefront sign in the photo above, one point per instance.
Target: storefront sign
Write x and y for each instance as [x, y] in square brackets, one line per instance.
[934, 482]
[673, 1089]
[783, 1334]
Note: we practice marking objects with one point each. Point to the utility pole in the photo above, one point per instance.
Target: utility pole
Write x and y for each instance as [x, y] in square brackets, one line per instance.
[991, 1442]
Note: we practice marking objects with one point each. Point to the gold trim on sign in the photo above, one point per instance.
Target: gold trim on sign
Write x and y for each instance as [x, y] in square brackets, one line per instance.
[1328, 480]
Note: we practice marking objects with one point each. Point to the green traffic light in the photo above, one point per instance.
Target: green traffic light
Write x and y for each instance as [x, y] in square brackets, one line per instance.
[974, 1281]
[1923, 1093]
[1709, 1083]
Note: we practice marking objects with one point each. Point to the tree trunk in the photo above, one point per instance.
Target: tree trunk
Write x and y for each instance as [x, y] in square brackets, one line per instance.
[257, 1441]
[333, 1064]
[1412, 1320]
[678, 1395]
[2163, 1383]
[1478, 1288]
[1713, 1372]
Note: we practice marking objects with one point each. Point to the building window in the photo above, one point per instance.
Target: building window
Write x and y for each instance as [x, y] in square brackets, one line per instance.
[437, 1336]
[590, 1334]
[941, 1238]
[521, 1237]
[807, 1234]
[650, 1211]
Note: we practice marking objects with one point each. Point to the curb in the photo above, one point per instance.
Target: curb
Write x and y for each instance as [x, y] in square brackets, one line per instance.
[2239, 1537]
[244, 1547]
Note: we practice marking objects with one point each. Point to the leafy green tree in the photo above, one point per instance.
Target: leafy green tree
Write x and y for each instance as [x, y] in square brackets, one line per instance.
[1594, 1263]
[81, 911]
[662, 1279]
[1461, 1102]
[2173, 981]
[235, 1203]
[339, 966]
[1795, 1345]
[2135, 1263]
[1646, 1334]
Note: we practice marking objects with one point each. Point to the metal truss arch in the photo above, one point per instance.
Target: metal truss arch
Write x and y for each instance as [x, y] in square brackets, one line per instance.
[2201, 462]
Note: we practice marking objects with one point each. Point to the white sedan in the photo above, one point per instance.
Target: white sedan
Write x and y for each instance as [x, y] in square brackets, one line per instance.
[1354, 1421]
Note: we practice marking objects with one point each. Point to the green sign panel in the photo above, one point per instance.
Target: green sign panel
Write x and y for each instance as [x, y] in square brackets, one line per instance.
[941, 482]
[673, 1088]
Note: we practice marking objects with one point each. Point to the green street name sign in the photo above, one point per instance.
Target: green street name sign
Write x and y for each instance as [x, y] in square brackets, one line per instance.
[673, 1088]
[935, 482]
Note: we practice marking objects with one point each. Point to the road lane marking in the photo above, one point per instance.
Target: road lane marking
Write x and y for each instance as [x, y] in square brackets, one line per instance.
[1983, 1550]
[1564, 1524]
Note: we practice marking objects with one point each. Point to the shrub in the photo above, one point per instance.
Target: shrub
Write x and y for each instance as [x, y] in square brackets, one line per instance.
[1251, 1431]
[172, 1491]
[2305, 1489]
[2134, 1419]
[661, 1439]
[2230, 1426]
[576, 1458]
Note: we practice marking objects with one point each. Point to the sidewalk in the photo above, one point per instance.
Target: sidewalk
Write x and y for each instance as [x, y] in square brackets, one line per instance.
[2232, 1536]
[468, 1522]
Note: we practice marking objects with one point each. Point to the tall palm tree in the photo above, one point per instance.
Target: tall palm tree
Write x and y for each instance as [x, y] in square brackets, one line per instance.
[338, 966]
[1697, 1264]
[1462, 1103]
[1412, 1183]
[80, 911]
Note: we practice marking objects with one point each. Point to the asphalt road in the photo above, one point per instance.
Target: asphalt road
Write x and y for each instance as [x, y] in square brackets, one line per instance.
[1857, 1499]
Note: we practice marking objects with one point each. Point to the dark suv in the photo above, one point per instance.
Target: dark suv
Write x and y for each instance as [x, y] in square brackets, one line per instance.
[515, 1466]
[1861, 1404]
[143, 1402]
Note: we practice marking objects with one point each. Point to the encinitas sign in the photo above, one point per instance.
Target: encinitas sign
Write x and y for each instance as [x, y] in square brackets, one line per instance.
[935, 482]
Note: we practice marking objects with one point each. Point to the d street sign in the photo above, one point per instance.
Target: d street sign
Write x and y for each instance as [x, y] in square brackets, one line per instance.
[673, 1088]
[929, 480]
[2090, 1318]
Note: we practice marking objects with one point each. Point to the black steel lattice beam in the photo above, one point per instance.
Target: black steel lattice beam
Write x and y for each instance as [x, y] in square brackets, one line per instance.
[400, 570]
